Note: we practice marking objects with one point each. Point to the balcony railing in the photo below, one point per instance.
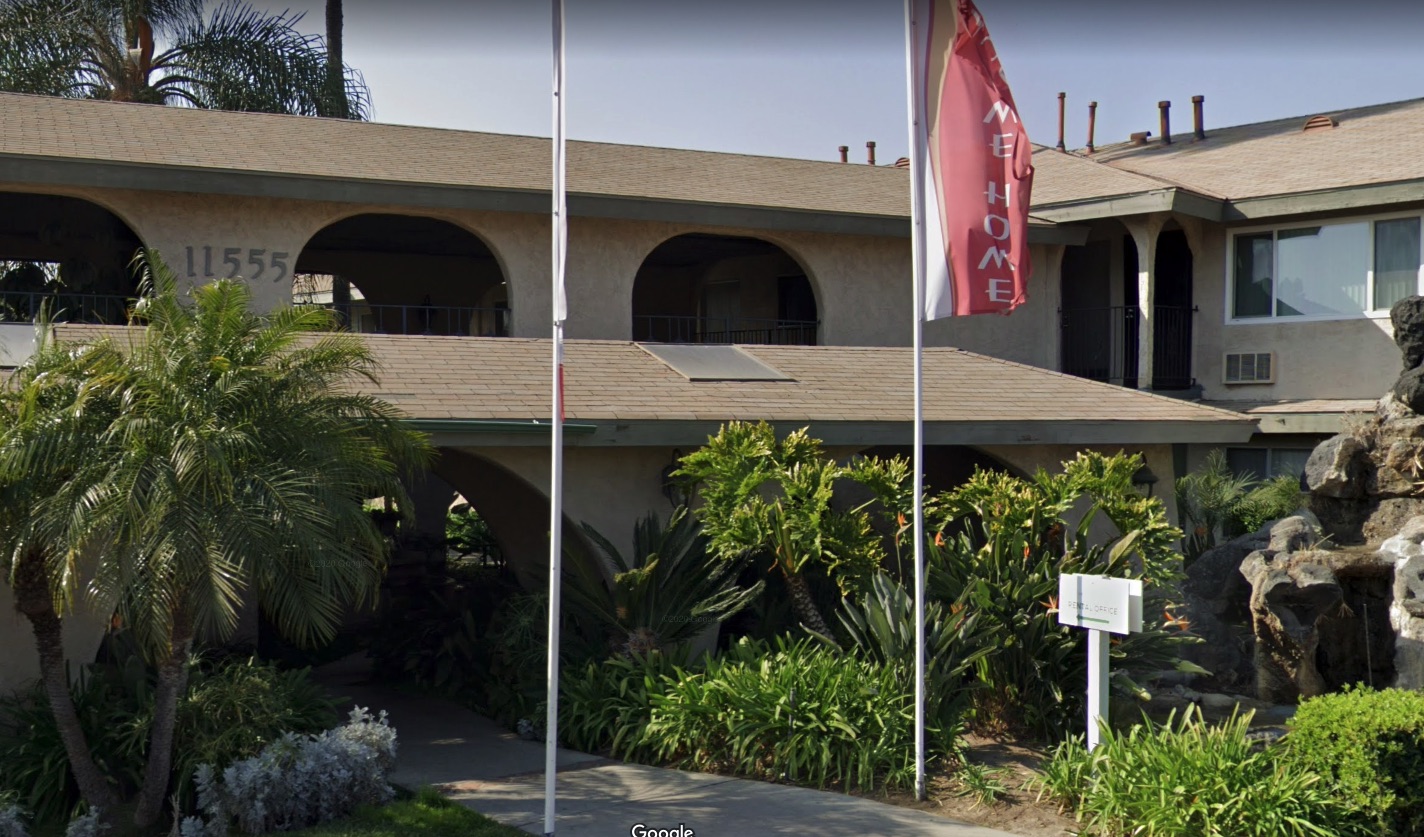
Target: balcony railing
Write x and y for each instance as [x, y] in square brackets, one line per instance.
[426, 319]
[763, 332]
[1101, 344]
[26, 306]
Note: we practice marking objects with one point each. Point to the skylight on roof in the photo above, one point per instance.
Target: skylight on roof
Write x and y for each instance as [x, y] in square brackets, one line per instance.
[712, 363]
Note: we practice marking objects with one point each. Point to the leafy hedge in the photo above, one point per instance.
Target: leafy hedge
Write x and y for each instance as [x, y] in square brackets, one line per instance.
[1369, 746]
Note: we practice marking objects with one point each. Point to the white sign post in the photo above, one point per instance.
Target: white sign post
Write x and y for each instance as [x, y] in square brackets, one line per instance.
[1104, 606]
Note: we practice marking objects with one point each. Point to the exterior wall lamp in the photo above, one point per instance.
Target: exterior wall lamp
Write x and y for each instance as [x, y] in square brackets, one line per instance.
[1143, 477]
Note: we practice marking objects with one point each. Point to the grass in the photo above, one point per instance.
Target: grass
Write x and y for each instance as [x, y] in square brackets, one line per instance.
[427, 815]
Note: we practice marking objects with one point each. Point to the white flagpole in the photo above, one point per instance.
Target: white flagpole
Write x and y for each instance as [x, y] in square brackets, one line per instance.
[917, 238]
[556, 431]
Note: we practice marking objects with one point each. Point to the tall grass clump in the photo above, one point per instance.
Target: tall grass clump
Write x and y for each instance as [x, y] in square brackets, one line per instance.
[1187, 777]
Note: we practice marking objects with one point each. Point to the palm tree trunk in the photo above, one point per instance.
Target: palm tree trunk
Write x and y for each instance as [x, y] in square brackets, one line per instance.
[335, 63]
[172, 683]
[34, 599]
[805, 606]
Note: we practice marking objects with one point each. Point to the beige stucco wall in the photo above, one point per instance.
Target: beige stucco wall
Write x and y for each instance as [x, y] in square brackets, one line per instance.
[861, 283]
[1353, 358]
[19, 661]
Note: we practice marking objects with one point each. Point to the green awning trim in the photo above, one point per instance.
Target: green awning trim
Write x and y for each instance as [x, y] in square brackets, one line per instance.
[492, 426]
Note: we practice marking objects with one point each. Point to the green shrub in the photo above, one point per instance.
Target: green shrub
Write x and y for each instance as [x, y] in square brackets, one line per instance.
[881, 627]
[606, 706]
[33, 765]
[1010, 541]
[468, 534]
[233, 707]
[1188, 777]
[795, 710]
[668, 592]
[1369, 746]
[236, 708]
[1216, 504]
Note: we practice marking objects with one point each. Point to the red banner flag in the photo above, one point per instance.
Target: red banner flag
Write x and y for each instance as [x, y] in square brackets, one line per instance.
[976, 165]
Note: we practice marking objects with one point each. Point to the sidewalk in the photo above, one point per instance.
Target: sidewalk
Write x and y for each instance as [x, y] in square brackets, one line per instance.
[491, 770]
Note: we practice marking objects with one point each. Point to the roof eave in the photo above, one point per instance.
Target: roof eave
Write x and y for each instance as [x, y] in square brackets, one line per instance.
[1363, 196]
[672, 433]
[1180, 201]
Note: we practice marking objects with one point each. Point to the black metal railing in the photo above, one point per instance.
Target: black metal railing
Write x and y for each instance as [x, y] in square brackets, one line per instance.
[1101, 344]
[764, 332]
[28, 306]
[1172, 347]
[425, 319]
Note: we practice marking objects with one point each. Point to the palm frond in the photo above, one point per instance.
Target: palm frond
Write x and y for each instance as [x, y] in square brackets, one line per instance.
[244, 59]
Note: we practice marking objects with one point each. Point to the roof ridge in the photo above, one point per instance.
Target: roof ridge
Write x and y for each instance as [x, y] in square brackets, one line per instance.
[1283, 119]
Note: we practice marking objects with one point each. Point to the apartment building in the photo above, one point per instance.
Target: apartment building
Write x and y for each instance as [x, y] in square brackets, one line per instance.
[704, 287]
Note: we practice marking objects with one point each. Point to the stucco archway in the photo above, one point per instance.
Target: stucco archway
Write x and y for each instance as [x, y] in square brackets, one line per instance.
[71, 254]
[404, 274]
[703, 288]
[517, 512]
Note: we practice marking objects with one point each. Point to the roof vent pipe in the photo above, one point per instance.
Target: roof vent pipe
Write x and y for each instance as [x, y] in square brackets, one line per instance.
[870, 152]
[1092, 121]
[1164, 109]
[845, 153]
[1062, 103]
[1198, 132]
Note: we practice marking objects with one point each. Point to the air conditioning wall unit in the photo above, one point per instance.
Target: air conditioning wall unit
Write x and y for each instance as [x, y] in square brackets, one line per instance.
[1249, 368]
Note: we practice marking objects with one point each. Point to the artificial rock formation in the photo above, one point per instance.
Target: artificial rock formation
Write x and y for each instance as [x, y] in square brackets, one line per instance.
[1337, 596]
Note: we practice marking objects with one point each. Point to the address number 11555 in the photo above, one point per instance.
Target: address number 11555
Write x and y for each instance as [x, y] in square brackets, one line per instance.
[259, 264]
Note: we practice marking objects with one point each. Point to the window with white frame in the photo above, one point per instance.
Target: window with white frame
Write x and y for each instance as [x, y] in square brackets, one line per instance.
[1328, 270]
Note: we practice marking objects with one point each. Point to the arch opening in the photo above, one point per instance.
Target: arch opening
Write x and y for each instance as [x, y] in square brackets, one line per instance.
[404, 274]
[1100, 319]
[702, 288]
[66, 254]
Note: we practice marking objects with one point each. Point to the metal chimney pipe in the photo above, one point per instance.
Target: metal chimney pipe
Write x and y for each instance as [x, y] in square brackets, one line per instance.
[1062, 103]
[1092, 122]
[845, 153]
[1197, 130]
[1164, 109]
[870, 152]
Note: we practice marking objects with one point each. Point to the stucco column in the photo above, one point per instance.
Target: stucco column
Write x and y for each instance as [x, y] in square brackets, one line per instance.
[1144, 231]
[1048, 264]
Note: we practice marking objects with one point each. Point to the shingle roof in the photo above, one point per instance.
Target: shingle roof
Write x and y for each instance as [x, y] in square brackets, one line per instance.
[1066, 177]
[367, 151]
[508, 379]
[1374, 144]
[257, 143]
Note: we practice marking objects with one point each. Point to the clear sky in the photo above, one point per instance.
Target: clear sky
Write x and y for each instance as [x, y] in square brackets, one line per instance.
[798, 78]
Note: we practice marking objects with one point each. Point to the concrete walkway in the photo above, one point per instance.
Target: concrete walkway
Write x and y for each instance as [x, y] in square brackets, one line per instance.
[485, 767]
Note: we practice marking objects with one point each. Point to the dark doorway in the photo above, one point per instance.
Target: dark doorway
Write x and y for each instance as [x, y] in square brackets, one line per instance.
[1172, 329]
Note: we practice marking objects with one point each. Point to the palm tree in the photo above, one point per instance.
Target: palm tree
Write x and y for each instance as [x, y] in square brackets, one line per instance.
[243, 455]
[52, 414]
[237, 58]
